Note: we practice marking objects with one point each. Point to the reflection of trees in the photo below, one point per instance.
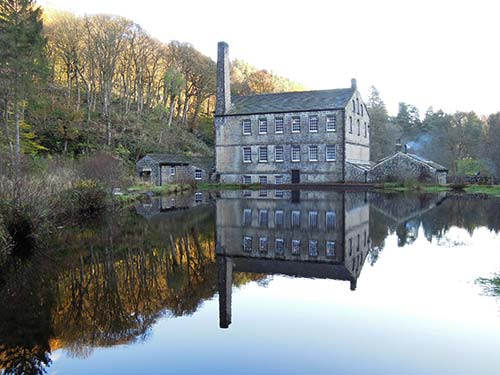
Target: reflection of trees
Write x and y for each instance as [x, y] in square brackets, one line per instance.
[26, 301]
[114, 293]
[105, 285]
[461, 211]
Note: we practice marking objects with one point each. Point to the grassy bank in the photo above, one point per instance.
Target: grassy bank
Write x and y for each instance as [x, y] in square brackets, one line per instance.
[489, 190]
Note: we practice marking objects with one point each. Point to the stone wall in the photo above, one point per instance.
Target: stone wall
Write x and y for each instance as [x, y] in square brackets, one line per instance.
[354, 173]
[230, 141]
[401, 167]
[160, 175]
[148, 163]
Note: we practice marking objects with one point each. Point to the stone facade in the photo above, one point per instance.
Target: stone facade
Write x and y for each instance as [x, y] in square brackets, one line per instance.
[160, 169]
[404, 166]
[307, 138]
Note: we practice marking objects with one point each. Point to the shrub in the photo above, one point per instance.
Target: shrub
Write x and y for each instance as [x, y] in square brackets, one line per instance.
[458, 187]
[103, 167]
[23, 214]
[86, 198]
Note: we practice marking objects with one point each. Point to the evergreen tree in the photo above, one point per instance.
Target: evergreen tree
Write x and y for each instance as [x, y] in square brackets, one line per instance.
[21, 61]
[381, 143]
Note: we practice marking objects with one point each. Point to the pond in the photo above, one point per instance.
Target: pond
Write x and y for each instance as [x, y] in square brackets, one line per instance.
[262, 282]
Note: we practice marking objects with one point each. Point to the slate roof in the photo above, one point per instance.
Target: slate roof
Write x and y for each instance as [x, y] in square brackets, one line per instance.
[290, 101]
[170, 159]
[363, 165]
[430, 163]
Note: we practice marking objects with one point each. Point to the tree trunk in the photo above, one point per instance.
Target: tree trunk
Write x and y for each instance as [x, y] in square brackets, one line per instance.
[18, 133]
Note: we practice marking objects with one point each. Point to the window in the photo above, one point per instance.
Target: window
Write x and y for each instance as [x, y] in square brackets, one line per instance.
[295, 153]
[313, 153]
[362, 110]
[353, 106]
[279, 193]
[198, 197]
[247, 216]
[247, 243]
[263, 180]
[263, 154]
[262, 193]
[262, 126]
[313, 248]
[358, 243]
[359, 127]
[263, 244]
[247, 126]
[278, 125]
[246, 193]
[350, 124]
[278, 218]
[278, 180]
[295, 218]
[247, 154]
[263, 218]
[357, 103]
[331, 123]
[350, 246]
[278, 153]
[247, 180]
[364, 240]
[313, 124]
[330, 248]
[366, 130]
[172, 171]
[295, 247]
[295, 124]
[198, 174]
[280, 246]
[330, 220]
[313, 219]
[331, 153]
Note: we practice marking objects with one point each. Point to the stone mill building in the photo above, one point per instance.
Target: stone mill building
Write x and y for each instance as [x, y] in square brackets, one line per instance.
[295, 137]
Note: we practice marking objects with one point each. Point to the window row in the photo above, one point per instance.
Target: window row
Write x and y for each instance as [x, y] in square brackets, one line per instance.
[313, 218]
[295, 246]
[358, 124]
[295, 151]
[350, 243]
[262, 193]
[313, 125]
[357, 107]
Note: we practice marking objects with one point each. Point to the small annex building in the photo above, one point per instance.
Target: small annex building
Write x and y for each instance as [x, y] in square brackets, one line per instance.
[405, 166]
[161, 169]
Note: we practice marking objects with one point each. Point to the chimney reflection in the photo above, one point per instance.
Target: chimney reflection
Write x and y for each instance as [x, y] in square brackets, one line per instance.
[311, 234]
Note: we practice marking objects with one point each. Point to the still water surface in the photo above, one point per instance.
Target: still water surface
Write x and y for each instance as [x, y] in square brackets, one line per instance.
[262, 282]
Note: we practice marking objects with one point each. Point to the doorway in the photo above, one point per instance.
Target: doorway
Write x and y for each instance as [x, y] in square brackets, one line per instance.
[295, 176]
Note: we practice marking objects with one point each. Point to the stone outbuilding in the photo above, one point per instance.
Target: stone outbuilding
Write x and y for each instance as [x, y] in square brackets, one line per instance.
[405, 166]
[161, 169]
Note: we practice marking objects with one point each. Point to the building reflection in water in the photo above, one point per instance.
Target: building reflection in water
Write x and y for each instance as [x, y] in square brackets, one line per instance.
[313, 234]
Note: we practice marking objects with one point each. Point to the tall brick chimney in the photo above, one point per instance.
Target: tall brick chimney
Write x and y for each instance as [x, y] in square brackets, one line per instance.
[354, 83]
[223, 94]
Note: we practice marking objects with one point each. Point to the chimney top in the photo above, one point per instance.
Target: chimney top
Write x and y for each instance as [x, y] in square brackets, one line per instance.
[399, 147]
[354, 84]
[223, 86]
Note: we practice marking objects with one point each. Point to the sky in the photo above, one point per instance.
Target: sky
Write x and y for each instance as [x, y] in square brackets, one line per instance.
[443, 54]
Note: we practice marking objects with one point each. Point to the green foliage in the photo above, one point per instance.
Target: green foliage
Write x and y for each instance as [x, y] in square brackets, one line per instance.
[380, 134]
[469, 167]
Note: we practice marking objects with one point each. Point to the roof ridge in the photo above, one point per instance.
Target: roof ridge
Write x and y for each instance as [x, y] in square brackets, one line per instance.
[292, 92]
